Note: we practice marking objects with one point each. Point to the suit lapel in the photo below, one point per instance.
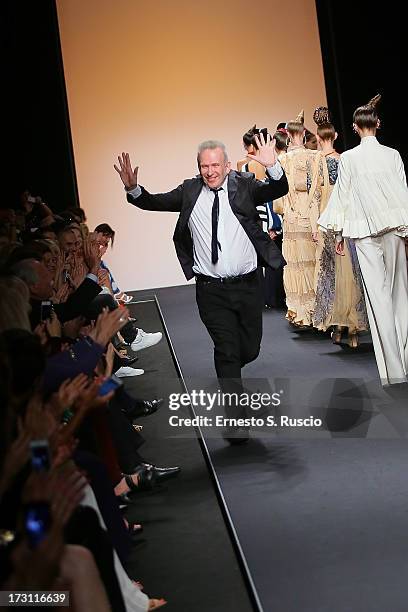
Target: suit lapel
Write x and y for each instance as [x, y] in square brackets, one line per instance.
[232, 188]
[192, 192]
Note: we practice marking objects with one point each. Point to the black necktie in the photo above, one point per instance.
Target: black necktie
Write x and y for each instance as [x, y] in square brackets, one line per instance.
[214, 225]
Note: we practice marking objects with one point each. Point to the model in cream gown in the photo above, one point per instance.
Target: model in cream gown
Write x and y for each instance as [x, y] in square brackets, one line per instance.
[300, 213]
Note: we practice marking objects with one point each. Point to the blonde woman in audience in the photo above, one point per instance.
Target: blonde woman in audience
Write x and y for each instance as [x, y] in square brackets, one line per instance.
[339, 293]
[300, 214]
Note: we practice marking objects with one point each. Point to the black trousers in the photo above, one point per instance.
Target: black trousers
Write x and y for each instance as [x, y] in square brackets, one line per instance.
[232, 314]
[125, 439]
[104, 300]
[274, 292]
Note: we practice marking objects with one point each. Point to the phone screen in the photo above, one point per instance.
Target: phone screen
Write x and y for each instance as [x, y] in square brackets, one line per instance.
[40, 455]
[109, 385]
[46, 310]
[37, 521]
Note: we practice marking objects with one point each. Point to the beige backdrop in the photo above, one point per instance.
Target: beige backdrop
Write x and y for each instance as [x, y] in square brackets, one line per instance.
[155, 79]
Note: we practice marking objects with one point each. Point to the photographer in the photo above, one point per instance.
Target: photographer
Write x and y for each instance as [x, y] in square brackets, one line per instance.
[37, 214]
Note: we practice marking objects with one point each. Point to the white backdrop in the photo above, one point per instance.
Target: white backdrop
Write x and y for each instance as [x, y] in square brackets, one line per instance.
[155, 79]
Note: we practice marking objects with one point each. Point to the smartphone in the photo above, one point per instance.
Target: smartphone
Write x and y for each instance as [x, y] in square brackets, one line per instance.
[40, 455]
[46, 310]
[37, 522]
[110, 384]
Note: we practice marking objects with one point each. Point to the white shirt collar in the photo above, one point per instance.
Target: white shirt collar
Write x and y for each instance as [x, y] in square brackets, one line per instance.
[367, 140]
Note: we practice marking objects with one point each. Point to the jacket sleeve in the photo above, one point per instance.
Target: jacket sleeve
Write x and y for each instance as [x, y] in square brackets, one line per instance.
[265, 192]
[400, 168]
[164, 202]
[78, 301]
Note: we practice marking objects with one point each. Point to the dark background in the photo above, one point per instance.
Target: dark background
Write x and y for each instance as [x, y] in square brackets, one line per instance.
[362, 54]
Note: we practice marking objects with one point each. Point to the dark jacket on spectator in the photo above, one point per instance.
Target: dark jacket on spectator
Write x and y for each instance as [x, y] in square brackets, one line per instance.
[81, 357]
[76, 304]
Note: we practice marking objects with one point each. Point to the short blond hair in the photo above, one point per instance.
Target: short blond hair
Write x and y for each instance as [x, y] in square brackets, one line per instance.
[211, 144]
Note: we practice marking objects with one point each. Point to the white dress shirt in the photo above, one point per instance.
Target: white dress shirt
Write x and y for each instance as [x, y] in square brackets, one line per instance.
[237, 254]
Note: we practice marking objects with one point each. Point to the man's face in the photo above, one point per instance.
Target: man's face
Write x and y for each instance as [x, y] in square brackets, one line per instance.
[43, 288]
[103, 241]
[67, 241]
[213, 167]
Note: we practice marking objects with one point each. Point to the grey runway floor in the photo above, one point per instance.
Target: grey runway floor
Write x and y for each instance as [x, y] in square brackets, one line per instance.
[321, 515]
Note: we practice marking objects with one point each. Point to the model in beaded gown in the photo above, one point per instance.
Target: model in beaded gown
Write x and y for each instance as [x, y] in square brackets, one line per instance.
[339, 292]
[300, 213]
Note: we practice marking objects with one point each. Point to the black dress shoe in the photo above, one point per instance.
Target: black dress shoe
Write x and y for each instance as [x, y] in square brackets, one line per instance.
[143, 408]
[162, 473]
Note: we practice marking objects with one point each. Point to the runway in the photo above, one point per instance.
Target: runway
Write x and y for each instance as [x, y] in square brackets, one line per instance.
[320, 513]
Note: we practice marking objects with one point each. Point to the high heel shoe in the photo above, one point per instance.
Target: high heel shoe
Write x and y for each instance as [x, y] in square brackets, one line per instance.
[336, 335]
[353, 340]
[146, 479]
[122, 298]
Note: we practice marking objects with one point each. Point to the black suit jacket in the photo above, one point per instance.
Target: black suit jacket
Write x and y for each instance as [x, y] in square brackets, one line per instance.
[75, 305]
[244, 193]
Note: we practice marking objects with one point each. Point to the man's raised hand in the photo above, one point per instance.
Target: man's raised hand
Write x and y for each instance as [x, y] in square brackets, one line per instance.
[128, 176]
[266, 153]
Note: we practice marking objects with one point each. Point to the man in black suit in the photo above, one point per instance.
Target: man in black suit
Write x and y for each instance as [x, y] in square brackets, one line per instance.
[219, 240]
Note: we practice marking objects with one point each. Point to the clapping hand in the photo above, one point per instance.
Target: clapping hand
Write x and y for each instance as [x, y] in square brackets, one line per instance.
[108, 324]
[92, 254]
[266, 153]
[90, 398]
[128, 176]
[67, 394]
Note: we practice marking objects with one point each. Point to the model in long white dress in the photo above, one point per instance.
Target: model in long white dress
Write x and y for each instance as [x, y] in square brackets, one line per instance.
[369, 204]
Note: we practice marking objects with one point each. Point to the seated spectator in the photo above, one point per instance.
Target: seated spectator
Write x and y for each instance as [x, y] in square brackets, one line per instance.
[40, 284]
[105, 235]
[59, 490]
